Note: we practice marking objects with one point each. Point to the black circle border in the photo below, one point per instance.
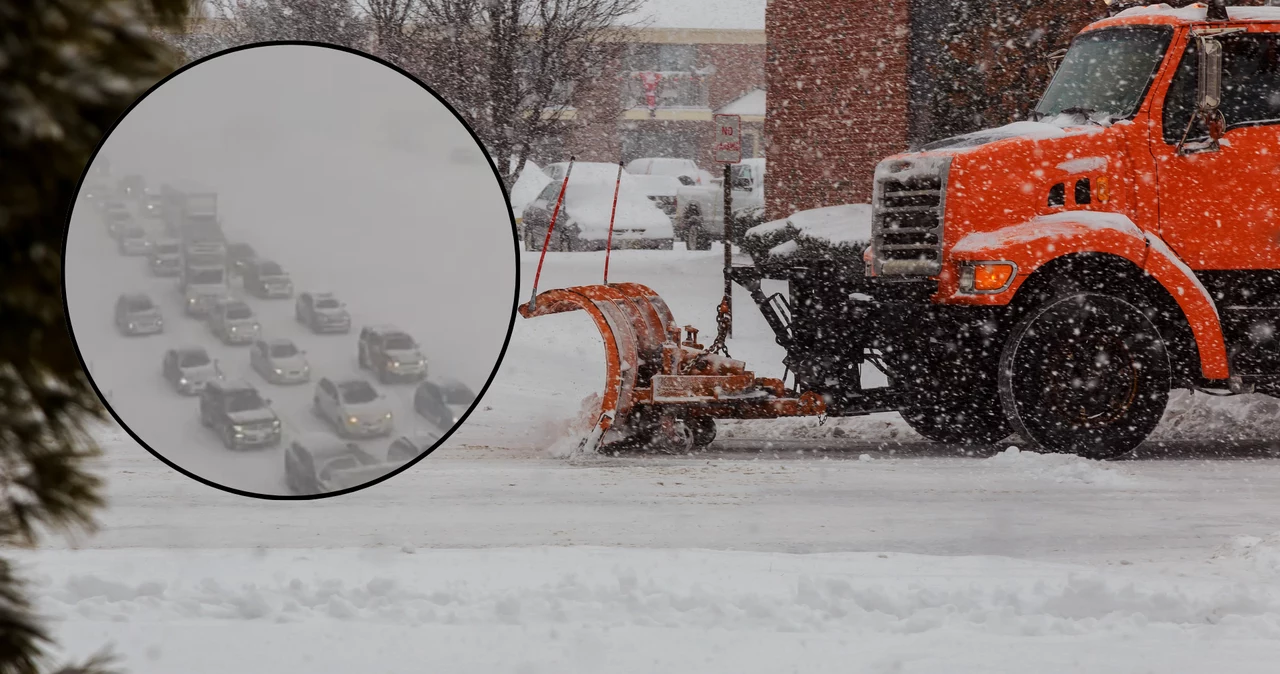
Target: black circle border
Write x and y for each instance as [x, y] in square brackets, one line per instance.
[515, 246]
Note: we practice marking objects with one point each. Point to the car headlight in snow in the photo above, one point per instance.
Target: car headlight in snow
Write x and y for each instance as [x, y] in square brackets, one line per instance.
[183, 381]
[352, 420]
[191, 300]
[279, 371]
[388, 416]
[275, 423]
[237, 428]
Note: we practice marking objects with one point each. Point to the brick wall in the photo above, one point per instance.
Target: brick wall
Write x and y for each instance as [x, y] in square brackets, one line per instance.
[836, 73]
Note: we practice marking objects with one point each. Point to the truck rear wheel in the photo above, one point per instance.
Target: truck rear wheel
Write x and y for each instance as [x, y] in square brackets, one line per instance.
[1087, 374]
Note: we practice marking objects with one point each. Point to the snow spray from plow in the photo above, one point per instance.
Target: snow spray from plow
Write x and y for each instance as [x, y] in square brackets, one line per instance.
[663, 389]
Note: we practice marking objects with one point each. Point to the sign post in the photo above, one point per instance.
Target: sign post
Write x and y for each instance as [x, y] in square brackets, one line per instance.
[728, 151]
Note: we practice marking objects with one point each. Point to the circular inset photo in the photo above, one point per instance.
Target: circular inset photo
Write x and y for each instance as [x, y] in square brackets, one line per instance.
[291, 270]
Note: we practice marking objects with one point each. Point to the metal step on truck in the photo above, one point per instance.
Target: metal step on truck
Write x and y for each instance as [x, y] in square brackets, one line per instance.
[1054, 278]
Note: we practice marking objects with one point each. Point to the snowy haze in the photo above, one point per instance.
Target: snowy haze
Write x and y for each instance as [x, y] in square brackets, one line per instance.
[352, 177]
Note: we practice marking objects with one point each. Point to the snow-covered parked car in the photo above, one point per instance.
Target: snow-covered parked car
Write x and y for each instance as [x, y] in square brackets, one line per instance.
[280, 361]
[528, 184]
[189, 368]
[583, 221]
[136, 314]
[699, 218]
[322, 312]
[266, 279]
[684, 170]
[353, 407]
[232, 321]
[317, 463]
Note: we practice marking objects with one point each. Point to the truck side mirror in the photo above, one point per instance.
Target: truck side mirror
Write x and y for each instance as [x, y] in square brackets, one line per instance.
[1208, 94]
[1209, 83]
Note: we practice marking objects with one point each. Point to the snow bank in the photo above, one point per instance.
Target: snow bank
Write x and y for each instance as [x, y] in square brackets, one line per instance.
[1060, 468]
[1261, 554]
[1193, 416]
[599, 609]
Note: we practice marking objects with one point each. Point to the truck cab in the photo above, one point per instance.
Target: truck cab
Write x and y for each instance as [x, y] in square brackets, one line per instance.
[1057, 277]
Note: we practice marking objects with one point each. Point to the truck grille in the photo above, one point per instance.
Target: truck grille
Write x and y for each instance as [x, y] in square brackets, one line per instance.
[907, 218]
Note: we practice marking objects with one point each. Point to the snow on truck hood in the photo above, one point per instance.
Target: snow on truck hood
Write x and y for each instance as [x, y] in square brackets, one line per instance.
[1059, 127]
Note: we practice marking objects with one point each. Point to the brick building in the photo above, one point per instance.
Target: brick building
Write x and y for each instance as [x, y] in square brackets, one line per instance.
[851, 82]
[682, 63]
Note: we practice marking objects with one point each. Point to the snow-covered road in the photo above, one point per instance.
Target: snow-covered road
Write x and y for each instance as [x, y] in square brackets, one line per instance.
[486, 560]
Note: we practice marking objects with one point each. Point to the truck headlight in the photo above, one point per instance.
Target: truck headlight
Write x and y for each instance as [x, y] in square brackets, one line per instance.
[986, 278]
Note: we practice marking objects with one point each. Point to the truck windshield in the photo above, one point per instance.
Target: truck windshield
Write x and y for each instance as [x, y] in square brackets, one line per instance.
[1106, 72]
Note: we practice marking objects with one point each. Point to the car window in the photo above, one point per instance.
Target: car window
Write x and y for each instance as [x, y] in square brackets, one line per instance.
[238, 312]
[243, 401]
[136, 305]
[270, 269]
[193, 359]
[358, 393]
[398, 342]
[326, 303]
[283, 350]
[550, 192]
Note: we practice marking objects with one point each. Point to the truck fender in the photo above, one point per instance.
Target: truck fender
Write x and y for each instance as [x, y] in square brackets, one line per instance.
[1039, 241]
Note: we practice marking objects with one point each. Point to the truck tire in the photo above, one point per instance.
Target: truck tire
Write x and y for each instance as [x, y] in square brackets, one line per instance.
[1087, 374]
[703, 429]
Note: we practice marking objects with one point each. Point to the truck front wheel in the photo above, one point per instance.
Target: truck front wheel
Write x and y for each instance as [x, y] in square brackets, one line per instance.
[1086, 374]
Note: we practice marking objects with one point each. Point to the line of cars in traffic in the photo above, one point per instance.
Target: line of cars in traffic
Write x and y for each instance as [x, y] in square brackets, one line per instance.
[233, 408]
[659, 200]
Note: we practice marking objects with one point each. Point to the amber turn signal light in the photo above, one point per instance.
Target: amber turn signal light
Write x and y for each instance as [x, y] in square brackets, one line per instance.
[986, 277]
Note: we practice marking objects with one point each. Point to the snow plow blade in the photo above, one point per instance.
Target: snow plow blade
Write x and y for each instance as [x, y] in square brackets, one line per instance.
[662, 390]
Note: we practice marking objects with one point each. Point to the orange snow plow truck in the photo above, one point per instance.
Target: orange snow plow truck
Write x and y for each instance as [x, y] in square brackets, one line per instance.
[1054, 278]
